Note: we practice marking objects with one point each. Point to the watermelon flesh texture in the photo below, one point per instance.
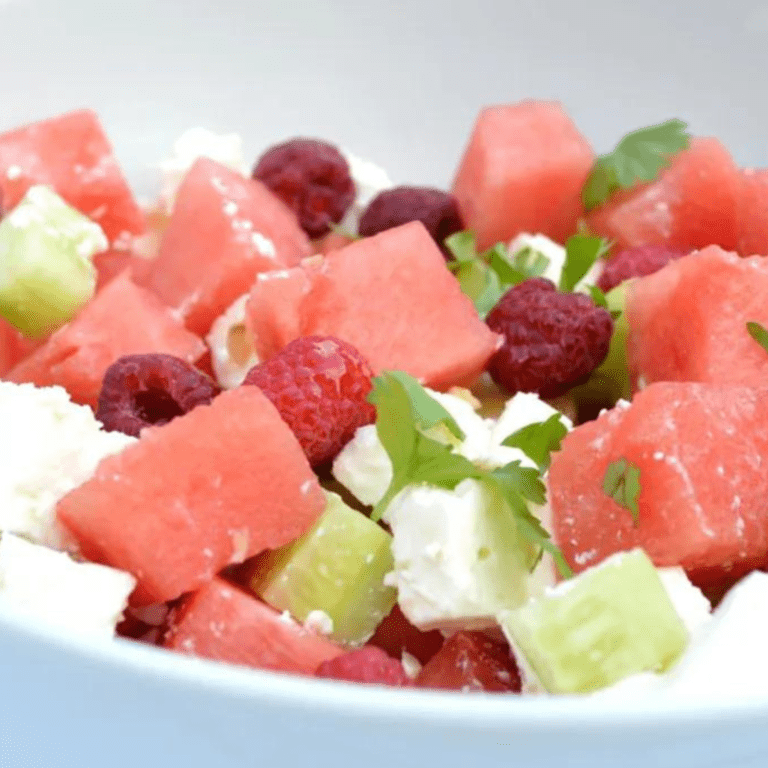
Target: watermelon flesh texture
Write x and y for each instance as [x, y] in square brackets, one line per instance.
[752, 217]
[206, 490]
[701, 450]
[72, 154]
[14, 346]
[691, 205]
[687, 322]
[223, 231]
[221, 622]
[390, 296]
[122, 319]
[523, 171]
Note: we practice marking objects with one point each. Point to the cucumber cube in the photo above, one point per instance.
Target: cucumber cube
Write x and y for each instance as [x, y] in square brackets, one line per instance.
[337, 568]
[46, 272]
[609, 622]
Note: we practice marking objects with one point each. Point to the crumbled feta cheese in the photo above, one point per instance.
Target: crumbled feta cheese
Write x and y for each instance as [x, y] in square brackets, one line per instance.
[195, 143]
[457, 561]
[692, 607]
[411, 665]
[369, 180]
[556, 255]
[84, 598]
[54, 445]
[363, 466]
[231, 345]
[320, 622]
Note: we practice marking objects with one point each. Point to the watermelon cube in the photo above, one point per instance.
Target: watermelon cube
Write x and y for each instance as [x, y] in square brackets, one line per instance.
[752, 213]
[472, 661]
[390, 296]
[687, 322]
[122, 319]
[523, 171]
[221, 622]
[224, 230]
[209, 489]
[701, 450]
[14, 346]
[72, 154]
[691, 205]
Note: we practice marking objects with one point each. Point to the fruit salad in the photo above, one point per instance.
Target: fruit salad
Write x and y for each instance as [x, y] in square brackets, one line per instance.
[505, 437]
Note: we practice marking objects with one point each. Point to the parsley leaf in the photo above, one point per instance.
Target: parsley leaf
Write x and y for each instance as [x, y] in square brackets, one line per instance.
[538, 441]
[581, 252]
[601, 300]
[404, 414]
[622, 483]
[758, 333]
[639, 156]
[485, 277]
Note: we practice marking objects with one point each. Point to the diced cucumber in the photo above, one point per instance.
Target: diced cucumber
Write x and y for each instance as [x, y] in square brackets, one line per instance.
[337, 567]
[611, 621]
[46, 272]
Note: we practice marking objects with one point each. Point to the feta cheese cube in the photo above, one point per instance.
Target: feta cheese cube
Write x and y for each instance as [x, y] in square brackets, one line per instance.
[231, 345]
[50, 587]
[52, 446]
[458, 561]
[369, 180]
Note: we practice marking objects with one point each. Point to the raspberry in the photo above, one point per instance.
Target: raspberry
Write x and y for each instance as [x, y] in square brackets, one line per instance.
[636, 262]
[365, 665]
[148, 390]
[312, 178]
[552, 340]
[437, 211]
[319, 384]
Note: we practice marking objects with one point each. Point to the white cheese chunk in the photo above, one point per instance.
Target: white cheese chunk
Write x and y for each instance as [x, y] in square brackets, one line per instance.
[369, 180]
[195, 143]
[50, 587]
[692, 607]
[51, 445]
[231, 345]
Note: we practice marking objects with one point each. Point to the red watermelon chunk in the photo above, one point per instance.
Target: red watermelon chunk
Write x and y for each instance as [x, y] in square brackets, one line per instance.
[390, 296]
[72, 154]
[222, 622]
[122, 319]
[752, 219]
[687, 322]
[209, 489]
[702, 451]
[471, 661]
[224, 230]
[14, 346]
[523, 171]
[691, 205]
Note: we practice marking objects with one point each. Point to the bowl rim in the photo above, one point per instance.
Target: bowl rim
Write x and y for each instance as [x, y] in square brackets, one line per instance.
[446, 709]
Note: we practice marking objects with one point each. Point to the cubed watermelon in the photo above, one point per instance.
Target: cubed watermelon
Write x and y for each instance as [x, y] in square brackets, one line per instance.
[523, 171]
[224, 230]
[701, 450]
[691, 205]
[752, 213]
[687, 322]
[221, 622]
[14, 346]
[472, 661]
[209, 489]
[390, 296]
[72, 154]
[122, 319]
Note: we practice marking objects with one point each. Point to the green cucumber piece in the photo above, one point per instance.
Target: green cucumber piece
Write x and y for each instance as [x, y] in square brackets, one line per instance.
[46, 268]
[611, 621]
[337, 567]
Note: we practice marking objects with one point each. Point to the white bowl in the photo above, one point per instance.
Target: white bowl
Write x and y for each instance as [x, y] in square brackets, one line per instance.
[399, 83]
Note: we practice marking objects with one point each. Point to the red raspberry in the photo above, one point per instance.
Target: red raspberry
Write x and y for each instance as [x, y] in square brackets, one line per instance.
[319, 384]
[148, 390]
[312, 178]
[552, 340]
[436, 210]
[636, 262]
[365, 665]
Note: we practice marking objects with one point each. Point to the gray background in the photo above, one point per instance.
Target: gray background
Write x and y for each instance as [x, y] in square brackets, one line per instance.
[397, 82]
